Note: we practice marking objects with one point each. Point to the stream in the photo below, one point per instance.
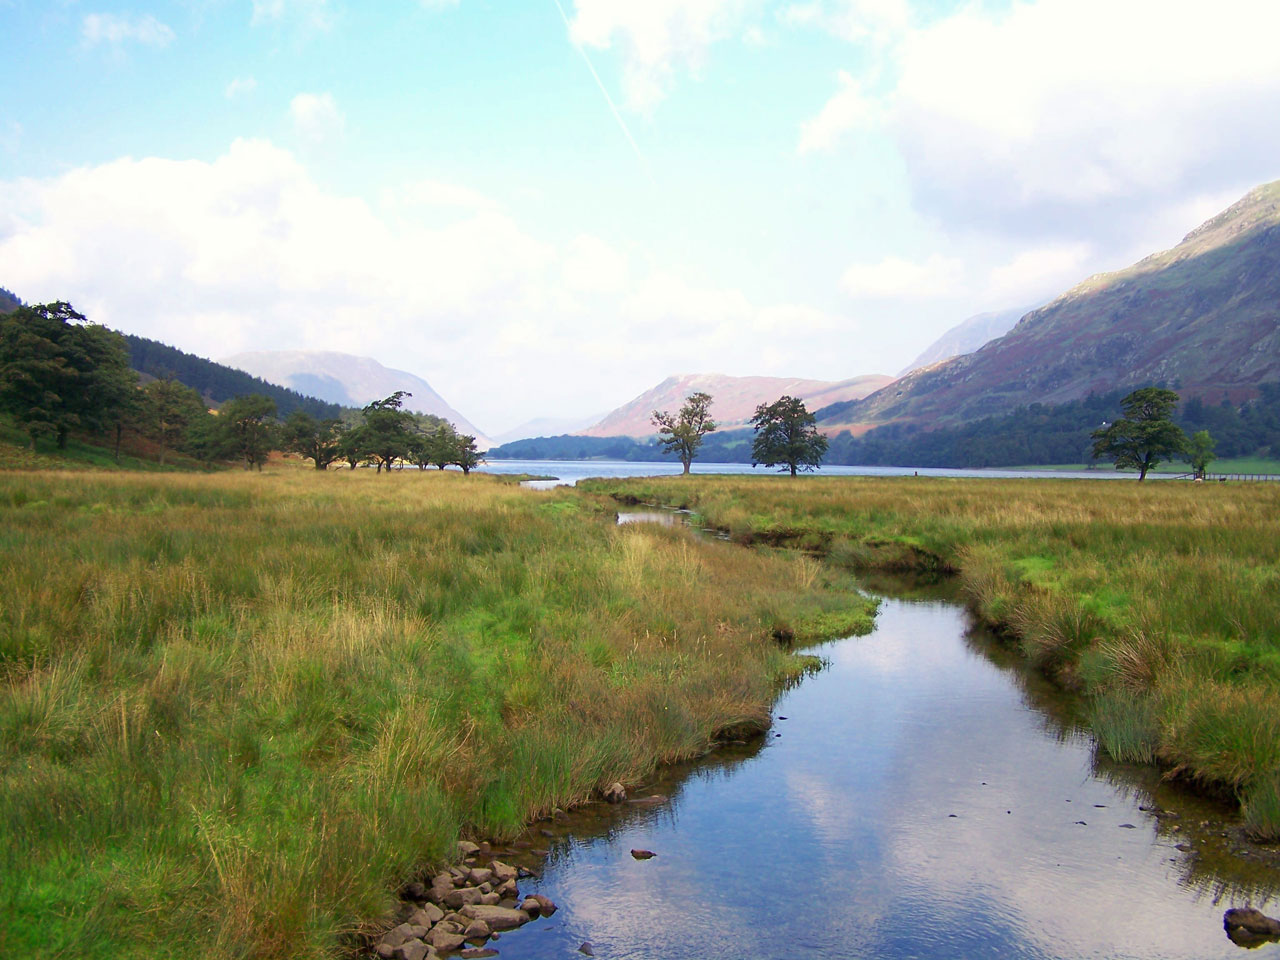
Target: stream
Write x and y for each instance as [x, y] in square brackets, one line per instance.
[924, 795]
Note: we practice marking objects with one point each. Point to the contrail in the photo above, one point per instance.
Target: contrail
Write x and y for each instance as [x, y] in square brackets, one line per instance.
[605, 92]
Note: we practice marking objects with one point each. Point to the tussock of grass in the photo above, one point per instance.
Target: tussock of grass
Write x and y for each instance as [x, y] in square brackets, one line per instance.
[1160, 601]
[237, 710]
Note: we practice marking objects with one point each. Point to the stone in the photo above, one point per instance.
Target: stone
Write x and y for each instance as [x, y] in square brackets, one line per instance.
[485, 887]
[615, 793]
[586, 949]
[443, 880]
[485, 849]
[397, 935]
[1246, 923]
[650, 801]
[643, 854]
[509, 904]
[383, 951]
[426, 915]
[498, 918]
[412, 950]
[413, 891]
[417, 931]
[460, 898]
[508, 889]
[460, 874]
[546, 903]
[477, 930]
[478, 954]
[531, 906]
[480, 875]
[1127, 826]
[467, 849]
[453, 926]
[443, 940]
[503, 872]
[490, 899]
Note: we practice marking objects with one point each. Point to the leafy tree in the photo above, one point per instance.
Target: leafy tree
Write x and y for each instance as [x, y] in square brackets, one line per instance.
[351, 445]
[111, 399]
[1200, 452]
[42, 369]
[387, 431]
[1145, 436]
[465, 453]
[248, 423]
[168, 409]
[682, 433]
[787, 434]
[317, 440]
[442, 445]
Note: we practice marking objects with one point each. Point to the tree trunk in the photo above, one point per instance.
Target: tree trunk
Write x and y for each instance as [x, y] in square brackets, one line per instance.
[793, 469]
[119, 430]
[686, 468]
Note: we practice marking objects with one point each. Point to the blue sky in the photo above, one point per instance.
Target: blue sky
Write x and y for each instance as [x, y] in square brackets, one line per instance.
[814, 188]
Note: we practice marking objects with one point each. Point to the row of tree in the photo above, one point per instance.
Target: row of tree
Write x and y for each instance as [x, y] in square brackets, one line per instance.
[60, 374]
[786, 434]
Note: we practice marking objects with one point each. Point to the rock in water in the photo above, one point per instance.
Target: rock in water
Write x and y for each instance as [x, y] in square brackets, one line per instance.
[643, 854]
[615, 793]
[586, 948]
[1249, 925]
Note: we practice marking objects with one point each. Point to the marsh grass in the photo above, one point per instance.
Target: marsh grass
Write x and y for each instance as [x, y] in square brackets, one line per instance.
[1160, 601]
[236, 711]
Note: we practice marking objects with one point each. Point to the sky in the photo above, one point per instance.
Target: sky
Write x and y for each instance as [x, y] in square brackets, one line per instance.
[544, 208]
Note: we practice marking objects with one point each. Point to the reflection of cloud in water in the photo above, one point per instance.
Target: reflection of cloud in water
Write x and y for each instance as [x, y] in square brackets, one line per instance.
[836, 839]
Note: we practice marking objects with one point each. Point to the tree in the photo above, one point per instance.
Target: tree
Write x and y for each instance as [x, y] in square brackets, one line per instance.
[42, 368]
[387, 430]
[248, 423]
[1200, 452]
[442, 445]
[787, 434]
[168, 409]
[682, 434]
[465, 453]
[317, 440]
[1145, 436]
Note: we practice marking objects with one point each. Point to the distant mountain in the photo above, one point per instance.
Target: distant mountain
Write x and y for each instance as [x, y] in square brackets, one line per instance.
[966, 337]
[1203, 318]
[734, 399]
[351, 381]
[546, 427]
[216, 382]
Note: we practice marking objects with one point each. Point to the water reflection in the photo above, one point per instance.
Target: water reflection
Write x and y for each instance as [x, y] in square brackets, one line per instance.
[926, 798]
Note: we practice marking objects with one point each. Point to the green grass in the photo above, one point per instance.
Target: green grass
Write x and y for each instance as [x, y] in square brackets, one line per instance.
[237, 710]
[1228, 465]
[1159, 601]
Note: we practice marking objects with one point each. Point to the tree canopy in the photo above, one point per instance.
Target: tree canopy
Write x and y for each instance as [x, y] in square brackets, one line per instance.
[786, 434]
[682, 433]
[1145, 436]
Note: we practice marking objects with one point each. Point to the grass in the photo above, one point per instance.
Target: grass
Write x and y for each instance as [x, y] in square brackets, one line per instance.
[1160, 602]
[237, 710]
[1249, 466]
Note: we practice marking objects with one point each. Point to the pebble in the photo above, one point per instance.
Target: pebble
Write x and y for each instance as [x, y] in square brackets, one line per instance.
[643, 854]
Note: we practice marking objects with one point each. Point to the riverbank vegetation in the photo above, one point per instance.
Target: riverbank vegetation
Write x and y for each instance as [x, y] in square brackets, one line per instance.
[236, 710]
[1161, 602]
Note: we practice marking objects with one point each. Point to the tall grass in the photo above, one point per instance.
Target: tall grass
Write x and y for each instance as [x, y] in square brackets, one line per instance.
[1160, 601]
[237, 710]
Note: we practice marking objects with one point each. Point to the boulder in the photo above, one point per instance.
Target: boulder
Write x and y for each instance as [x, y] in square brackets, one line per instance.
[412, 950]
[398, 935]
[498, 918]
[547, 905]
[414, 891]
[615, 793]
[477, 954]
[480, 875]
[643, 854]
[508, 889]
[1251, 924]
[426, 915]
[503, 872]
[467, 849]
[384, 952]
[460, 898]
[490, 899]
[443, 940]
[477, 930]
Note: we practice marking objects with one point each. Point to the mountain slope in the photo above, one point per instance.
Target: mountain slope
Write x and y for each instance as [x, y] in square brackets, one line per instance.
[1203, 317]
[546, 427]
[8, 301]
[734, 399]
[349, 380]
[966, 337]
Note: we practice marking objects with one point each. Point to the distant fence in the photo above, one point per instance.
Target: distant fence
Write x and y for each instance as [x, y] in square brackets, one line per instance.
[1242, 477]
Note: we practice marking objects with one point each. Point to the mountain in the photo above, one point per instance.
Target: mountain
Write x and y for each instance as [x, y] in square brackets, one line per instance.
[966, 337]
[734, 399]
[216, 382]
[1202, 317]
[351, 381]
[8, 301]
[546, 427]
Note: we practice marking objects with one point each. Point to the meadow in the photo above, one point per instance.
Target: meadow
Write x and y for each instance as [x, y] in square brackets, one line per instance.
[1160, 602]
[238, 710]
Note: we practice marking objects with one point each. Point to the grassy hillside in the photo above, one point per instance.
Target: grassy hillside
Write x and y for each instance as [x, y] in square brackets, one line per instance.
[237, 710]
[1160, 601]
[1201, 317]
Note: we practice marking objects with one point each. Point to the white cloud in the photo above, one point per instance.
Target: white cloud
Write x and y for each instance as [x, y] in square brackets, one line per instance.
[1081, 115]
[879, 22]
[848, 109]
[310, 13]
[657, 38]
[316, 117]
[1039, 271]
[249, 252]
[240, 86]
[899, 279]
[115, 30]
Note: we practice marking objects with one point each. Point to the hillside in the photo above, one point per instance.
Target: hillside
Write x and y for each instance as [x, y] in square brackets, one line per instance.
[734, 399]
[217, 382]
[351, 381]
[8, 301]
[1203, 317]
[966, 337]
